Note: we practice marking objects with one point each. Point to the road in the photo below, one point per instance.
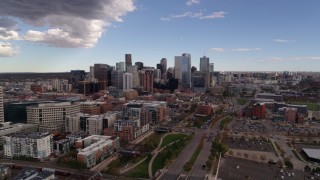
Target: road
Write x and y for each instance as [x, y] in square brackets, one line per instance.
[197, 173]
[85, 173]
[176, 167]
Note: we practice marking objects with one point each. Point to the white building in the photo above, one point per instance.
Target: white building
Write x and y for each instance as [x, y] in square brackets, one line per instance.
[73, 123]
[127, 81]
[36, 145]
[135, 75]
[94, 125]
[51, 116]
[1, 106]
[56, 84]
[96, 148]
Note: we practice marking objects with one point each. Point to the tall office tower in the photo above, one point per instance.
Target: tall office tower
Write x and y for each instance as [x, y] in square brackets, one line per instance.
[128, 59]
[204, 64]
[170, 73]
[159, 66]
[139, 65]
[163, 61]
[120, 66]
[211, 67]
[135, 75]
[182, 70]
[91, 73]
[101, 73]
[117, 79]
[146, 79]
[157, 74]
[127, 81]
[1, 106]
[76, 76]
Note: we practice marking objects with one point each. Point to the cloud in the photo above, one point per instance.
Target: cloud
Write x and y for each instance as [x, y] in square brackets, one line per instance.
[6, 34]
[278, 59]
[214, 15]
[8, 50]
[246, 49]
[283, 41]
[217, 50]
[69, 23]
[198, 15]
[8, 23]
[165, 19]
[191, 2]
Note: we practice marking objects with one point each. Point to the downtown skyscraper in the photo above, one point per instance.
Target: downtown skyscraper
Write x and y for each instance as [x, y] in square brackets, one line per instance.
[182, 71]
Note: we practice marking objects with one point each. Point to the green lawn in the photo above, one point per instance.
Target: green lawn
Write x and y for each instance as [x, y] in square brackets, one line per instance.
[141, 171]
[171, 138]
[225, 122]
[241, 101]
[311, 106]
[168, 154]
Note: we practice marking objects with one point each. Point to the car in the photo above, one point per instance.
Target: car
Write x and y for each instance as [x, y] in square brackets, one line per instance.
[204, 166]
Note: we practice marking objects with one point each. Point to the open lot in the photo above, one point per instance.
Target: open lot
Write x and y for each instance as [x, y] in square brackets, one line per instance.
[234, 168]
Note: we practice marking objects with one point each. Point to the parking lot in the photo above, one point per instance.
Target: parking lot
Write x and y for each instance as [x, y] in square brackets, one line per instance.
[249, 126]
[249, 144]
[234, 168]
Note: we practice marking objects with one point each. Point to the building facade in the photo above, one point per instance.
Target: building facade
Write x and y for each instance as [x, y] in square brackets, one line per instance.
[117, 79]
[182, 70]
[146, 80]
[36, 145]
[204, 64]
[120, 66]
[96, 148]
[75, 77]
[127, 81]
[51, 115]
[128, 60]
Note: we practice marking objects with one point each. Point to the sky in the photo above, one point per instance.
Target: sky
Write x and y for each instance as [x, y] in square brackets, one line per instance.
[237, 35]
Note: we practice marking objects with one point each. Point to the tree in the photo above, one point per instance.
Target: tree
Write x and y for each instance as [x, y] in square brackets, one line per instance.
[289, 164]
[307, 168]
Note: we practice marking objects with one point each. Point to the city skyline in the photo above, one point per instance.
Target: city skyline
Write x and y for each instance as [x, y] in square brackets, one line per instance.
[236, 36]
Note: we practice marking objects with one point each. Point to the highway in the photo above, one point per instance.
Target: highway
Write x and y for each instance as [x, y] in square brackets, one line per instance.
[197, 173]
[176, 167]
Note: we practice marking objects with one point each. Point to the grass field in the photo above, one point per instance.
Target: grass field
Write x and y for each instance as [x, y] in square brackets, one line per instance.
[167, 155]
[171, 138]
[311, 106]
[141, 171]
[241, 101]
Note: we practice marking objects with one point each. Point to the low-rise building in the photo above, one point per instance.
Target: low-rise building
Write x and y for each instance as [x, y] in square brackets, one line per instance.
[5, 172]
[34, 174]
[96, 148]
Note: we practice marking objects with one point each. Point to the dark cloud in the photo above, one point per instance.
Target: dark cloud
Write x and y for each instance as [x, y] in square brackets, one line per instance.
[8, 23]
[72, 23]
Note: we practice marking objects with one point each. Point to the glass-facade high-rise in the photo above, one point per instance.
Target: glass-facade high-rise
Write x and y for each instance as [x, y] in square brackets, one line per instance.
[204, 64]
[183, 69]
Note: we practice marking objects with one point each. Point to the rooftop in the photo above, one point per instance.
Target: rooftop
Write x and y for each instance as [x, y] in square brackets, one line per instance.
[312, 153]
